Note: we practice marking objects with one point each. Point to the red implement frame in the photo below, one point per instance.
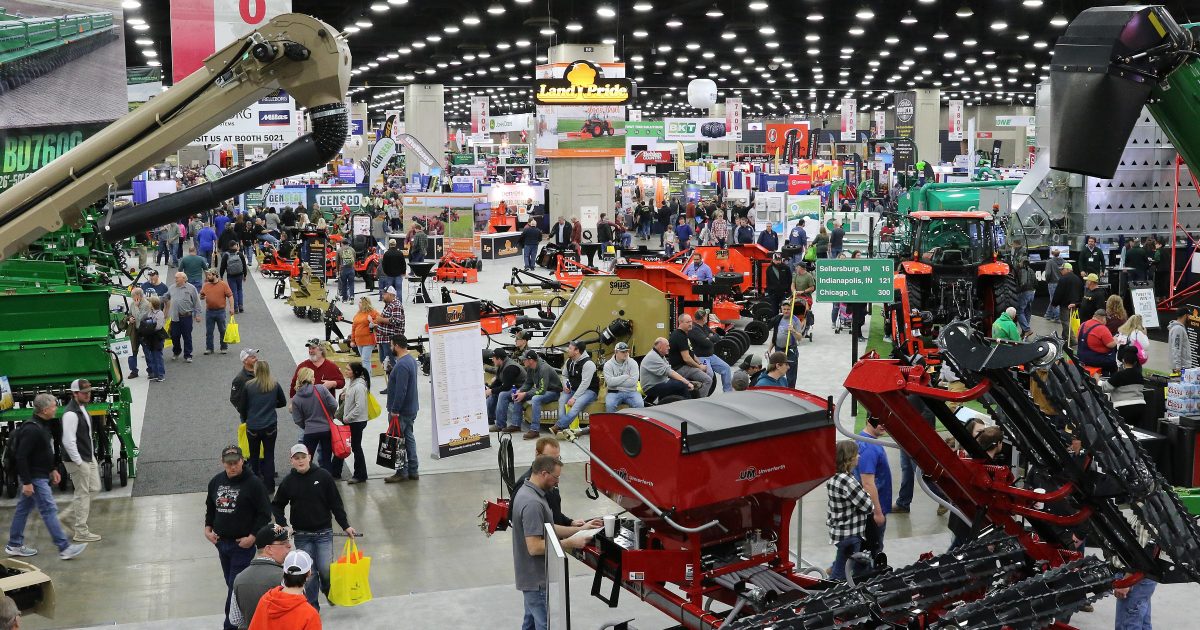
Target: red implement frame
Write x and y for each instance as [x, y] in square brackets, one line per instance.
[1177, 296]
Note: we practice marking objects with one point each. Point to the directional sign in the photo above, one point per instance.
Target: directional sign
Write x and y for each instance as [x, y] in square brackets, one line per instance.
[855, 280]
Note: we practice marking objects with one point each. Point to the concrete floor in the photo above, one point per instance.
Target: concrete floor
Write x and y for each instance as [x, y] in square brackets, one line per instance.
[430, 560]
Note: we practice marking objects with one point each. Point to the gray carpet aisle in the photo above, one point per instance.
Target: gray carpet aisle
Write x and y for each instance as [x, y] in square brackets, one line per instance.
[189, 418]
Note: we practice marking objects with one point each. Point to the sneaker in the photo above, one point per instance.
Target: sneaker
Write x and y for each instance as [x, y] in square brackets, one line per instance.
[395, 479]
[532, 434]
[900, 509]
[354, 481]
[132, 375]
[187, 360]
[72, 551]
[512, 429]
[224, 350]
[1089, 608]
[174, 357]
[494, 429]
[20, 552]
[87, 537]
[414, 476]
[159, 379]
[207, 352]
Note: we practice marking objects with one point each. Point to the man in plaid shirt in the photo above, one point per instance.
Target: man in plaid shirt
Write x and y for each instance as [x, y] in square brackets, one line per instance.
[849, 508]
[719, 231]
[389, 323]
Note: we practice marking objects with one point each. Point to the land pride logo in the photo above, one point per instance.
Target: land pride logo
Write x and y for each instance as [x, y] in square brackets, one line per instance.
[583, 83]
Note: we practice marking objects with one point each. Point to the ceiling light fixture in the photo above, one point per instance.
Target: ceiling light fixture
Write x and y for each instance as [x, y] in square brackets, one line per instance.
[364, 24]
[547, 31]
[674, 22]
[964, 12]
[574, 26]
[142, 41]
[758, 5]
[856, 30]
[471, 20]
[766, 30]
[908, 18]
[380, 7]
[496, 9]
[714, 12]
[605, 11]
[815, 17]
[725, 35]
[1058, 20]
[452, 29]
[1031, 4]
[141, 27]
[999, 25]
[864, 14]
[941, 34]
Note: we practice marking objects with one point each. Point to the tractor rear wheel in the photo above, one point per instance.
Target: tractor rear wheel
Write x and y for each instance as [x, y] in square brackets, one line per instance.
[1003, 295]
[916, 296]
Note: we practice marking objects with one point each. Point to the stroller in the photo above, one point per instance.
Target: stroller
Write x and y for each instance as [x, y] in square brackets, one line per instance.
[844, 319]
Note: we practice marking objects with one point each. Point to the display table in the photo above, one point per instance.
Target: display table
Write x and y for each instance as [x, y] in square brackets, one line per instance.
[501, 245]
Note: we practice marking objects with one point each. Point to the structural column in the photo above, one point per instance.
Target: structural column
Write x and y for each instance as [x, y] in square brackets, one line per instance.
[425, 120]
[928, 125]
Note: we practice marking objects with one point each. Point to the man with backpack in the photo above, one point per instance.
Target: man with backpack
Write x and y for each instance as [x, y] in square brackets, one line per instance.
[233, 268]
[346, 272]
[31, 459]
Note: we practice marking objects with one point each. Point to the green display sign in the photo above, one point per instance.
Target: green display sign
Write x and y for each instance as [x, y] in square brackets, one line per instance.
[645, 129]
[459, 159]
[23, 151]
[855, 280]
[676, 181]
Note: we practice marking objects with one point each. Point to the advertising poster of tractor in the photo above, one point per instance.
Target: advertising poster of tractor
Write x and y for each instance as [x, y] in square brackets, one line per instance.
[581, 109]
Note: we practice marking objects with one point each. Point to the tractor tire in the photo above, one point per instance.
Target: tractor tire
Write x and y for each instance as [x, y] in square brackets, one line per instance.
[742, 339]
[758, 331]
[597, 131]
[728, 349]
[123, 471]
[916, 296]
[106, 475]
[300, 311]
[609, 130]
[1004, 294]
[762, 311]
[314, 314]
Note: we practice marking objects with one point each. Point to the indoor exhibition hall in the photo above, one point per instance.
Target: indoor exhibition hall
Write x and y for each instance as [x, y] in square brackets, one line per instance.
[599, 314]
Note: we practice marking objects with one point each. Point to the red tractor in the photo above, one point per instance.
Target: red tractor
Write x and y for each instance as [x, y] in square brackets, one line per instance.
[949, 270]
[594, 127]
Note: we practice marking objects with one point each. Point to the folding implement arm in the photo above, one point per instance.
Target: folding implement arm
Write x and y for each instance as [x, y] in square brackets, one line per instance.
[298, 53]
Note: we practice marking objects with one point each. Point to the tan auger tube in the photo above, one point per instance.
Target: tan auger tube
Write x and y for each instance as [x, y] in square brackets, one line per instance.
[298, 53]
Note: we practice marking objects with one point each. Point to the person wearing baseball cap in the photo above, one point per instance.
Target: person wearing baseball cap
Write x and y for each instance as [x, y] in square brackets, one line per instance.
[509, 376]
[284, 607]
[1066, 298]
[621, 380]
[542, 385]
[392, 269]
[264, 573]
[1094, 296]
[236, 508]
[325, 372]
[249, 357]
[747, 372]
[80, 461]
[402, 405]
[153, 285]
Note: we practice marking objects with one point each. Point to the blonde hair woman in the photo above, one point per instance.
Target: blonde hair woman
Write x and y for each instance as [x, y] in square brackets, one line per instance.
[312, 406]
[362, 330]
[1133, 332]
[258, 402]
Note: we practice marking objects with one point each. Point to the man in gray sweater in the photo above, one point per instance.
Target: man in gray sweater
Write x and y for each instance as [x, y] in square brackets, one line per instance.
[658, 379]
[1178, 342]
[183, 309]
[621, 380]
[264, 573]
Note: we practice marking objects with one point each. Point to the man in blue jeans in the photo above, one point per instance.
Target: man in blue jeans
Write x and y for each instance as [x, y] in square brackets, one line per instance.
[531, 237]
[402, 404]
[1133, 604]
[183, 309]
[530, 515]
[581, 385]
[316, 503]
[37, 468]
[876, 477]
[218, 307]
[542, 385]
[234, 510]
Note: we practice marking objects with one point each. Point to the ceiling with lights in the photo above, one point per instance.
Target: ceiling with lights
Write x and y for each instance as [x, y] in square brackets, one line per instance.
[783, 57]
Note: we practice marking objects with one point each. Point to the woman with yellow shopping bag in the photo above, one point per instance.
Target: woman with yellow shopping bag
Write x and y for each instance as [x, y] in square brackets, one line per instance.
[349, 577]
[316, 503]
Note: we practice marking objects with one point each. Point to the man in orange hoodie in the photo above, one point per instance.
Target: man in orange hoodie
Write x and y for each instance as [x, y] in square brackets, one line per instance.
[285, 607]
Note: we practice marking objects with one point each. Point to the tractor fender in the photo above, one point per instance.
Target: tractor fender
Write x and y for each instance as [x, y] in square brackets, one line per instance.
[917, 268]
[994, 269]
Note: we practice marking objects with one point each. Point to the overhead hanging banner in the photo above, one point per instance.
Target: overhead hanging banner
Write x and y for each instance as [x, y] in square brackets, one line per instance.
[733, 118]
[200, 28]
[460, 423]
[581, 110]
[479, 118]
[880, 124]
[849, 120]
[332, 198]
[955, 125]
[904, 153]
[505, 124]
[791, 141]
[582, 83]
[646, 129]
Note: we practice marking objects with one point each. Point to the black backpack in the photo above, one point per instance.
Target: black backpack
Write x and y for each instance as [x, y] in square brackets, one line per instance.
[148, 327]
[10, 453]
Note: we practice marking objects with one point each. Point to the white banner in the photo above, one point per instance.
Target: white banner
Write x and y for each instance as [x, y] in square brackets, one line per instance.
[385, 150]
[849, 120]
[505, 124]
[956, 121]
[880, 123]
[696, 130]
[733, 118]
[1014, 121]
[459, 420]
[479, 118]
[271, 119]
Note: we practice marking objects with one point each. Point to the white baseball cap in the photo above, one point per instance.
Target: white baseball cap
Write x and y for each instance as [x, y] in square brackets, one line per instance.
[297, 562]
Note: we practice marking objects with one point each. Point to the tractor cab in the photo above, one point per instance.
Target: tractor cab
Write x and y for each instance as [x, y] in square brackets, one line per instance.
[953, 239]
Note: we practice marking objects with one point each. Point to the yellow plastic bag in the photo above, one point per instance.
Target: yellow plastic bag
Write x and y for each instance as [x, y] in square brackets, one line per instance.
[349, 583]
[167, 330]
[374, 409]
[244, 441]
[1075, 323]
[231, 331]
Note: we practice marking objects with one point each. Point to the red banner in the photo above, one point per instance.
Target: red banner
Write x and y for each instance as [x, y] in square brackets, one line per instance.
[653, 157]
[790, 140]
[200, 28]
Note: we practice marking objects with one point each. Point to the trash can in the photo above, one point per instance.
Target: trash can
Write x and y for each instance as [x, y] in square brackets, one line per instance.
[1181, 468]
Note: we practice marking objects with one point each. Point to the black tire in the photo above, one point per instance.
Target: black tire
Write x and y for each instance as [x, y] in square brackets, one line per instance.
[742, 339]
[314, 314]
[916, 295]
[728, 349]
[106, 475]
[300, 311]
[1004, 295]
[123, 471]
[758, 331]
[762, 311]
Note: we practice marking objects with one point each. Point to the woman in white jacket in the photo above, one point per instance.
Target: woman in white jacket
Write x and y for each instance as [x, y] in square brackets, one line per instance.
[355, 416]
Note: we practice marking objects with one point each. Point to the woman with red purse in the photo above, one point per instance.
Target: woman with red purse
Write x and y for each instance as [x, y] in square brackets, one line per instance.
[310, 412]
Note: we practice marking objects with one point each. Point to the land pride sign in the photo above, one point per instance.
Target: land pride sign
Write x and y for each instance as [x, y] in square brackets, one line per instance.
[855, 280]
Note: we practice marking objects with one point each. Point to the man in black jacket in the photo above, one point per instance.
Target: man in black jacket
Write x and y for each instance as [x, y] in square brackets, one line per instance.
[236, 507]
[561, 231]
[249, 358]
[779, 281]
[549, 446]
[531, 238]
[392, 270]
[315, 499]
[509, 375]
[37, 468]
[1091, 259]
[1066, 296]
